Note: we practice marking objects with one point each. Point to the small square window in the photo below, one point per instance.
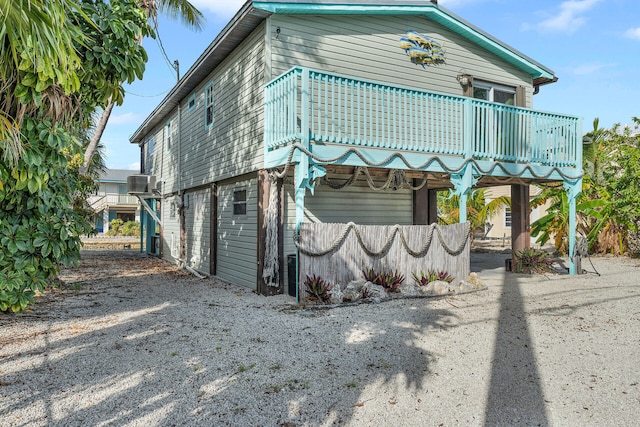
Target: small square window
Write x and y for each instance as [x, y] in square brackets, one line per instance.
[240, 202]
[191, 104]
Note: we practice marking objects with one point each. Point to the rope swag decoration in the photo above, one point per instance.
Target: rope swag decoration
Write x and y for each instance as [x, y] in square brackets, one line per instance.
[423, 166]
[395, 180]
[396, 230]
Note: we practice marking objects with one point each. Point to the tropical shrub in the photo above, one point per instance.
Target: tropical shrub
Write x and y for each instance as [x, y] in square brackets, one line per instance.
[317, 289]
[131, 228]
[389, 280]
[40, 225]
[532, 261]
[431, 276]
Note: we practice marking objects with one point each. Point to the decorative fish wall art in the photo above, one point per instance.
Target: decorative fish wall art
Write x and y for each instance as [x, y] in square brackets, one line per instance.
[421, 49]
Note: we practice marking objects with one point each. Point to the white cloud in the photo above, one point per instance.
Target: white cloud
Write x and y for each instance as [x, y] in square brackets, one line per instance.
[590, 68]
[125, 119]
[569, 16]
[633, 33]
[223, 9]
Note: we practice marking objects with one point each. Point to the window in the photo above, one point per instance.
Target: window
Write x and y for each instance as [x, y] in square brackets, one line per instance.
[191, 104]
[507, 217]
[208, 105]
[240, 202]
[148, 164]
[494, 92]
[167, 135]
[172, 210]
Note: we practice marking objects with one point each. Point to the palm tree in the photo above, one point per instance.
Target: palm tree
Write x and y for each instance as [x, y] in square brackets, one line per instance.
[176, 9]
[598, 217]
[479, 212]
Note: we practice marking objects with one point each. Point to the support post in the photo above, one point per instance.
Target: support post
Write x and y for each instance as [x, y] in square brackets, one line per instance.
[302, 168]
[421, 205]
[520, 219]
[463, 182]
[573, 191]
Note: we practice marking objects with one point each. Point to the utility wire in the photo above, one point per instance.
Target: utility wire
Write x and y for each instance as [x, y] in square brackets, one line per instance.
[148, 96]
[164, 53]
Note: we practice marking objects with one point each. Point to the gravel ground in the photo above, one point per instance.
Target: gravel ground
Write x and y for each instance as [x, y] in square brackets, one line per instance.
[131, 341]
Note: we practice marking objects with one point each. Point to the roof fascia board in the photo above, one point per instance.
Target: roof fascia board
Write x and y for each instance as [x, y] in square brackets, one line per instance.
[186, 81]
[436, 13]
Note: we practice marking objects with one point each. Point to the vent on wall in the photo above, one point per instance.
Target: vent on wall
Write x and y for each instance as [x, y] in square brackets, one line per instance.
[141, 184]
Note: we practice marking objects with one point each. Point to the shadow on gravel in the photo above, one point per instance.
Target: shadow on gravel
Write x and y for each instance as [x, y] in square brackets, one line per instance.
[515, 392]
[155, 347]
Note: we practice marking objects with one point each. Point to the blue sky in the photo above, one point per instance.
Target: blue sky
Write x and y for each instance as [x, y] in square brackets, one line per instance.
[593, 46]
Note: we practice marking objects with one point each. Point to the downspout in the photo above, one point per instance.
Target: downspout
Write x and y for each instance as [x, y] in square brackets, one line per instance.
[181, 215]
[142, 211]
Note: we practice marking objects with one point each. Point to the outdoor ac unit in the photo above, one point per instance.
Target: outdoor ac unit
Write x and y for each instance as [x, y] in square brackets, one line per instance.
[141, 184]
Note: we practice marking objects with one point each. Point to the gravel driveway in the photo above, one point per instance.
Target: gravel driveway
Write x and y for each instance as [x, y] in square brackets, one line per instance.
[132, 341]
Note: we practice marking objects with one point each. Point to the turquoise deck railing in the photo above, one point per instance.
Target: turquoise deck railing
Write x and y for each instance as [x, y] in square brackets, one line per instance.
[356, 112]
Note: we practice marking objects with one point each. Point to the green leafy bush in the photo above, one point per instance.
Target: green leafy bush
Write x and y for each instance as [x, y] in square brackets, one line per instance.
[119, 228]
[40, 225]
[131, 228]
[532, 261]
[114, 227]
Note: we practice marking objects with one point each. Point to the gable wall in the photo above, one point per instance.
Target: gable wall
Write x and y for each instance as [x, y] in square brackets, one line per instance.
[368, 47]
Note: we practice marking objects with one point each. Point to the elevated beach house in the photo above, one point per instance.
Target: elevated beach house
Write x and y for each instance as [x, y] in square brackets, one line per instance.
[321, 112]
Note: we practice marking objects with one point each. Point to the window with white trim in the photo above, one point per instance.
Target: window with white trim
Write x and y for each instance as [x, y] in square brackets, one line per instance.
[507, 217]
[494, 92]
[208, 106]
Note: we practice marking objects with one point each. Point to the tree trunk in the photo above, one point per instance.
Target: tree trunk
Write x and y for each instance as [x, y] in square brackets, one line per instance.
[95, 139]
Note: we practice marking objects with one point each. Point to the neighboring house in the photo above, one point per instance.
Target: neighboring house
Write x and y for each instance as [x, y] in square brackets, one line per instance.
[111, 200]
[319, 89]
[499, 227]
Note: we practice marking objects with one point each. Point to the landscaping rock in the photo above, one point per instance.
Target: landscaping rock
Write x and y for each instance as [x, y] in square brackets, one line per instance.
[440, 287]
[371, 290]
[464, 287]
[426, 290]
[336, 295]
[408, 289]
[475, 281]
[353, 291]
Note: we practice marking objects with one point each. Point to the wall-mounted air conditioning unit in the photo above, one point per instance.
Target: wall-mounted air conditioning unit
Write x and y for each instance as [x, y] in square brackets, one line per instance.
[141, 184]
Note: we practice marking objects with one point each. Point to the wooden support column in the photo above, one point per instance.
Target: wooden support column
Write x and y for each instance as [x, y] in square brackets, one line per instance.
[420, 205]
[520, 218]
[264, 191]
[425, 205]
[433, 207]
